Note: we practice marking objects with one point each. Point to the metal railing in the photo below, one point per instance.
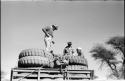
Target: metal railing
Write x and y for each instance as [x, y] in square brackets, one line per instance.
[22, 73]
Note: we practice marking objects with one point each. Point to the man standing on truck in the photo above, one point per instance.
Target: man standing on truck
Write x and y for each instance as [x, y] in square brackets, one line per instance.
[48, 38]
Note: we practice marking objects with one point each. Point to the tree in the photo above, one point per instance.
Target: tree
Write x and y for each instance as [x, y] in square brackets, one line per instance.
[114, 75]
[118, 44]
[105, 56]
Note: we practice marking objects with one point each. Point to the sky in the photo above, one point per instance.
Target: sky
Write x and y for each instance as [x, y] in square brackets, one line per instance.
[85, 24]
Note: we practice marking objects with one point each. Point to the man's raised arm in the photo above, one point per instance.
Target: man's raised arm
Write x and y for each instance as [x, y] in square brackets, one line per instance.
[44, 30]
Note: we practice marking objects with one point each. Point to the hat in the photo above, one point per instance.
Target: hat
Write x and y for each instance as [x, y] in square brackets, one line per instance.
[79, 48]
[55, 27]
[69, 43]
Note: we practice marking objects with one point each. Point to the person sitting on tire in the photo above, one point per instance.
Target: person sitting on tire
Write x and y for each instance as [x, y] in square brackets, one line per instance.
[48, 30]
[68, 49]
[58, 61]
[79, 52]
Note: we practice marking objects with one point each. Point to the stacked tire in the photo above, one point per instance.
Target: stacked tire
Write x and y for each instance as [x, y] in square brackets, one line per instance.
[35, 58]
[76, 62]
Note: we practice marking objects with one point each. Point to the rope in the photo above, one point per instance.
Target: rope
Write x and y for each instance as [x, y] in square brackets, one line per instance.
[28, 74]
[39, 68]
[31, 72]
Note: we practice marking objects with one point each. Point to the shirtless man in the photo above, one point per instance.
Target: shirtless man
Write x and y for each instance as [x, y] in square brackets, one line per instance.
[48, 38]
[68, 49]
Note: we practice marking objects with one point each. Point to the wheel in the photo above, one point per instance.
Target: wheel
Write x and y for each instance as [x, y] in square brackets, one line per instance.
[31, 52]
[76, 60]
[35, 52]
[77, 67]
[35, 61]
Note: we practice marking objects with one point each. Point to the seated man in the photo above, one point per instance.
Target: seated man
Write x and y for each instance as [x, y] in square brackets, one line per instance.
[79, 52]
[60, 62]
[68, 49]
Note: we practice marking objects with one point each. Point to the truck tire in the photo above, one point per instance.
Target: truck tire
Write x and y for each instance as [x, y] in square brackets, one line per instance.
[35, 52]
[76, 60]
[31, 52]
[77, 67]
[35, 61]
